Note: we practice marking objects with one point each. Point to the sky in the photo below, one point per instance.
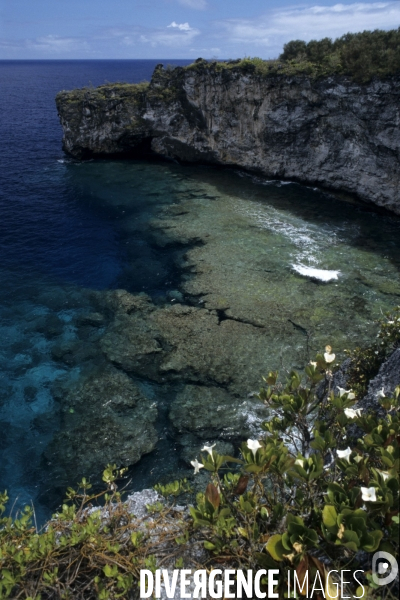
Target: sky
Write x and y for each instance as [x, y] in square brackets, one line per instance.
[133, 29]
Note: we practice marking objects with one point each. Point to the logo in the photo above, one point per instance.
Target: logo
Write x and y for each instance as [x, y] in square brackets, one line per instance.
[384, 568]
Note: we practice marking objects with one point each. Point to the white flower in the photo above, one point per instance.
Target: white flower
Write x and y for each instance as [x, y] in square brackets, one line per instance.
[253, 445]
[344, 454]
[368, 494]
[314, 364]
[300, 462]
[329, 357]
[208, 449]
[384, 475]
[381, 393]
[197, 466]
[350, 395]
[352, 413]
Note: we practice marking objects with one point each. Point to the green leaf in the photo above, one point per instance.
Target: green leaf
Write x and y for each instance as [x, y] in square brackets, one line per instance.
[293, 519]
[296, 530]
[376, 535]
[351, 546]
[351, 540]
[275, 547]
[312, 536]
[286, 541]
[228, 458]
[253, 468]
[110, 570]
[265, 561]
[329, 515]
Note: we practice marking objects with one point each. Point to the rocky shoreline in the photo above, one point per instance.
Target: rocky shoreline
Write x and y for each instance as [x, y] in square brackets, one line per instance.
[328, 131]
[202, 351]
[236, 313]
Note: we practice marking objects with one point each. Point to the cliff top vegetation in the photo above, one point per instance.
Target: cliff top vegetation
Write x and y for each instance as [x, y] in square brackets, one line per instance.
[361, 56]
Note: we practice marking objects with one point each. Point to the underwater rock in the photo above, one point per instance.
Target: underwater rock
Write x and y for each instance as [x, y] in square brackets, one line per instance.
[131, 344]
[185, 343]
[202, 349]
[94, 319]
[30, 393]
[106, 419]
[74, 352]
[210, 413]
[121, 301]
[175, 296]
[50, 326]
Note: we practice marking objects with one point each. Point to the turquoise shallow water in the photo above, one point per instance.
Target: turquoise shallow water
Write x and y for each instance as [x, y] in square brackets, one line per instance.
[69, 229]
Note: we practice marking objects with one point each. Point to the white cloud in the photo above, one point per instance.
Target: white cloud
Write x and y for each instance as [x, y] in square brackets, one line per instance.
[196, 4]
[180, 26]
[178, 36]
[48, 46]
[306, 23]
[208, 51]
[58, 44]
[263, 35]
[107, 42]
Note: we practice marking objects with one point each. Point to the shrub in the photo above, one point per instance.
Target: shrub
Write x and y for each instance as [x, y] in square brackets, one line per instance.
[294, 50]
[318, 491]
[361, 56]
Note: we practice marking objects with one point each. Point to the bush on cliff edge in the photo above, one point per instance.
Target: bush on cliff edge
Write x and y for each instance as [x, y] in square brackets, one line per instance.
[318, 491]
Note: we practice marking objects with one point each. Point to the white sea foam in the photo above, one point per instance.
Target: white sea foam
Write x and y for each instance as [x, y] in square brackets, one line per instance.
[321, 274]
[310, 243]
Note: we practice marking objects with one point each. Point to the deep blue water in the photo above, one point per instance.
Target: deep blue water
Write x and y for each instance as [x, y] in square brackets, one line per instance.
[40, 205]
[60, 237]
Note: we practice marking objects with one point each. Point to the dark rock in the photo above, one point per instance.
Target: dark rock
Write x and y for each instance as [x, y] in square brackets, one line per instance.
[387, 379]
[131, 344]
[209, 413]
[30, 392]
[93, 319]
[106, 419]
[50, 326]
[74, 352]
[327, 131]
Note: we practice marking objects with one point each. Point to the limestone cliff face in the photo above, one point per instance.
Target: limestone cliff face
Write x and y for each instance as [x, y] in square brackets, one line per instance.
[330, 131]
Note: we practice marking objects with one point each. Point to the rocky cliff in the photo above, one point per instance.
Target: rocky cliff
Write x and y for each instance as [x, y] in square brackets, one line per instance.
[330, 131]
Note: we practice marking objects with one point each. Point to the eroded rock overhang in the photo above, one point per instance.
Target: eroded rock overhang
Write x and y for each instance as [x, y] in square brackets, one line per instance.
[330, 132]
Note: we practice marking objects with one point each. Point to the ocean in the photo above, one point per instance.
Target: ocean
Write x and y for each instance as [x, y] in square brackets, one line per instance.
[70, 230]
[56, 240]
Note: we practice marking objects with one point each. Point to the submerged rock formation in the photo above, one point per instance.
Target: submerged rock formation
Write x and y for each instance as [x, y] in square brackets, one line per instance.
[105, 419]
[329, 131]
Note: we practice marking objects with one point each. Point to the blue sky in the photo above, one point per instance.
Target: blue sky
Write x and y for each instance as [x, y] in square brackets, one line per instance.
[177, 28]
